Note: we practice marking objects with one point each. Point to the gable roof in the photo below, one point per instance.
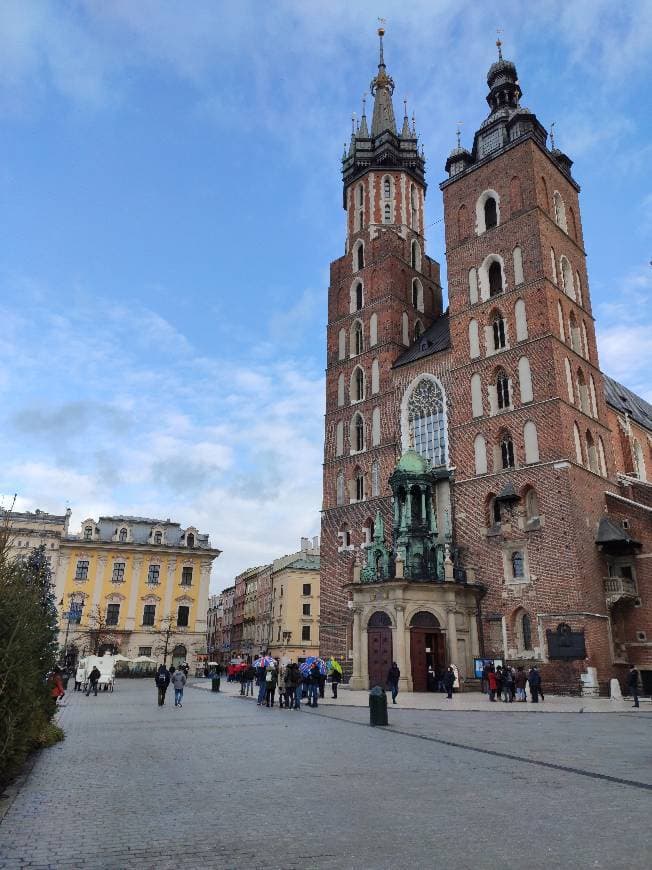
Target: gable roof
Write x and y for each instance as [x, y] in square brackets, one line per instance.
[624, 401]
[436, 338]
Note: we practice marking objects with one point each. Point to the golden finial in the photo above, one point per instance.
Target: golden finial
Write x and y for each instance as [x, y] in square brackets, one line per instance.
[499, 44]
[381, 27]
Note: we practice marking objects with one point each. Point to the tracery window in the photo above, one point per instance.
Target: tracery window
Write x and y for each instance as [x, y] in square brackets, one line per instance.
[495, 279]
[499, 333]
[502, 391]
[375, 479]
[426, 421]
[518, 565]
[507, 452]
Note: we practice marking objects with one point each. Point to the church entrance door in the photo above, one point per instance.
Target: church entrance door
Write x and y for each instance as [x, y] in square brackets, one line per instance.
[427, 650]
[379, 634]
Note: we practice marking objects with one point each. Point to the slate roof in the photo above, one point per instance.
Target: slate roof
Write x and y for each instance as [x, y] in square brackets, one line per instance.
[436, 338]
[306, 563]
[610, 533]
[624, 401]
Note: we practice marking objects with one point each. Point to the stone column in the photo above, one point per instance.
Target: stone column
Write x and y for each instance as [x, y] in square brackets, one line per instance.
[473, 633]
[452, 637]
[356, 678]
[169, 589]
[400, 647]
[202, 600]
[364, 658]
[130, 622]
[99, 582]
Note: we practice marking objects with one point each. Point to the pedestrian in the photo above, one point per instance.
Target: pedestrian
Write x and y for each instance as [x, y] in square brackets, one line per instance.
[336, 679]
[162, 680]
[508, 685]
[322, 684]
[290, 685]
[519, 682]
[484, 686]
[632, 684]
[499, 681]
[282, 691]
[80, 676]
[298, 692]
[261, 673]
[270, 686]
[56, 684]
[534, 679]
[449, 682]
[178, 681]
[393, 677]
[250, 675]
[314, 680]
[93, 677]
[492, 683]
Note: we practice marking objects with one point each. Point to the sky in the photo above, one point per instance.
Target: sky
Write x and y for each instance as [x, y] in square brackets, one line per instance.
[170, 201]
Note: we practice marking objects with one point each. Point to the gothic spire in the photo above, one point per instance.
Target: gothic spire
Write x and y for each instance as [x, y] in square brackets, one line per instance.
[406, 133]
[363, 132]
[382, 88]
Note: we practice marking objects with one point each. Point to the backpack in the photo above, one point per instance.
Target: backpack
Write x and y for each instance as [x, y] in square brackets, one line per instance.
[160, 679]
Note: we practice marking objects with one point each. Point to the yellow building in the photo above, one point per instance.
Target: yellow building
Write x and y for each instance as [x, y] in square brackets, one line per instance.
[125, 580]
[295, 603]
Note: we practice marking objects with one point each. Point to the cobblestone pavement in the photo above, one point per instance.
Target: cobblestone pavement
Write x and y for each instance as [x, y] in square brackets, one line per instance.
[222, 783]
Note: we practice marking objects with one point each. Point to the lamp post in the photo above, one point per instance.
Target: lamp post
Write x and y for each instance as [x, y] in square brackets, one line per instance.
[74, 614]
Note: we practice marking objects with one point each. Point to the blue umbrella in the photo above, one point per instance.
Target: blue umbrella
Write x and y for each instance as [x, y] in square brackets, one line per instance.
[264, 662]
[306, 667]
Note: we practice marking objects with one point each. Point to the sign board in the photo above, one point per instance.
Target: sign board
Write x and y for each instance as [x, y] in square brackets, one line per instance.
[479, 665]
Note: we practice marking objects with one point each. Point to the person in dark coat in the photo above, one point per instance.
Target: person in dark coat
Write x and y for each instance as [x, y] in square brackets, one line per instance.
[162, 680]
[93, 677]
[271, 679]
[314, 682]
[336, 679]
[632, 684]
[519, 683]
[393, 676]
[449, 682]
[534, 679]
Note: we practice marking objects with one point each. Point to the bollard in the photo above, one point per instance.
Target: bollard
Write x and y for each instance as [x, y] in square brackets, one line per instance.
[378, 706]
[215, 684]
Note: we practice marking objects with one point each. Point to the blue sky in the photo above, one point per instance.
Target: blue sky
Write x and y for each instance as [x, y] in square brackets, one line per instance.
[171, 200]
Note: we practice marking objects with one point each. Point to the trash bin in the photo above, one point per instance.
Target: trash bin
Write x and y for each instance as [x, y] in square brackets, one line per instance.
[215, 684]
[378, 706]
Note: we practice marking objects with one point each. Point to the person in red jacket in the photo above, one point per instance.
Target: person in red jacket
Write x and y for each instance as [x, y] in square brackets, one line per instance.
[57, 691]
[493, 683]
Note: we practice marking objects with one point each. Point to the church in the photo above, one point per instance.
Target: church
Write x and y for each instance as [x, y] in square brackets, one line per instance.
[485, 484]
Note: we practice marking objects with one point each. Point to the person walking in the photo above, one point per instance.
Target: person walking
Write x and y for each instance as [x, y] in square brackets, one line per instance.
[492, 683]
[162, 680]
[250, 675]
[282, 688]
[393, 677]
[632, 684]
[270, 686]
[534, 679]
[290, 685]
[336, 679]
[56, 684]
[314, 680]
[80, 676]
[93, 678]
[178, 682]
[261, 673]
[519, 683]
[449, 681]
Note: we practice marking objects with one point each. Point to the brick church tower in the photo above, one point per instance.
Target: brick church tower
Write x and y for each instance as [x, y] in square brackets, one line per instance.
[384, 292]
[528, 420]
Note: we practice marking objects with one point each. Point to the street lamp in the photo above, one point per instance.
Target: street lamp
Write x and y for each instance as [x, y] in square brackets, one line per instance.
[71, 615]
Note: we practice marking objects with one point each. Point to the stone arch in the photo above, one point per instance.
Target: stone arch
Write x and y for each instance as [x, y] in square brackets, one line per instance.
[484, 276]
[380, 618]
[433, 610]
[373, 330]
[358, 256]
[481, 211]
[405, 401]
[356, 338]
[356, 296]
[424, 619]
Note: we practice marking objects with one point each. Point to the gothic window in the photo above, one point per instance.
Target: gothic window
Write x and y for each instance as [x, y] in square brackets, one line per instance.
[474, 339]
[341, 344]
[502, 390]
[345, 537]
[480, 452]
[375, 377]
[578, 444]
[569, 381]
[531, 442]
[360, 256]
[495, 279]
[583, 392]
[339, 439]
[360, 207]
[585, 342]
[415, 293]
[560, 211]
[340, 390]
[473, 286]
[357, 433]
[357, 385]
[426, 421]
[560, 315]
[578, 288]
[122, 536]
[375, 479]
[525, 379]
[359, 486]
[531, 505]
[574, 333]
[601, 456]
[387, 188]
[373, 330]
[526, 632]
[520, 316]
[418, 329]
[387, 213]
[592, 453]
[499, 332]
[339, 488]
[518, 565]
[490, 213]
[357, 343]
[639, 461]
[375, 427]
[476, 395]
[507, 451]
[413, 207]
[567, 277]
[553, 265]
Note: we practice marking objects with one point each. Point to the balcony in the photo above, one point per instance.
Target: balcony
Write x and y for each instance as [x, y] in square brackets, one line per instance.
[619, 589]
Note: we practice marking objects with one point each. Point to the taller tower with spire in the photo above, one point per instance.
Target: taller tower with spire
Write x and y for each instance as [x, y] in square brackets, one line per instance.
[384, 295]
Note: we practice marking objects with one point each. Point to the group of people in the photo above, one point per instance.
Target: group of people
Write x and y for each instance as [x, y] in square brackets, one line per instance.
[177, 676]
[289, 682]
[510, 684]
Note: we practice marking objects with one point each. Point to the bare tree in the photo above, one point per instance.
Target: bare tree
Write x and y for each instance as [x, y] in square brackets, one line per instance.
[97, 632]
[168, 634]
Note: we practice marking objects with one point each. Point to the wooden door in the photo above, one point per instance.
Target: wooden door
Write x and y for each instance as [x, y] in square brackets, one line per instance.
[418, 660]
[380, 655]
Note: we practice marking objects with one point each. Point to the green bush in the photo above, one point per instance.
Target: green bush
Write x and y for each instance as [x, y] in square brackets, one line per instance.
[50, 735]
[27, 653]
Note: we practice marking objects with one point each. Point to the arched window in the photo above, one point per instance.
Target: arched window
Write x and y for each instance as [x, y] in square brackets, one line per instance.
[426, 421]
[531, 505]
[585, 342]
[359, 485]
[567, 277]
[553, 265]
[578, 445]
[476, 395]
[360, 256]
[387, 188]
[375, 427]
[578, 289]
[526, 632]
[521, 320]
[525, 379]
[342, 344]
[418, 329]
[373, 330]
[531, 442]
[158, 538]
[88, 533]
[515, 195]
[490, 213]
[122, 536]
[340, 390]
[492, 506]
[473, 286]
[340, 488]
[480, 452]
[357, 433]
[357, 296]
[583, 392]
[569, 381]
[560, 314]
[357, 385]
[592, 453]
[387, 213]
[503, 397]
[518, 565]
[359, 222]
[574, 333]
[375, 479]
[498, 327]
[601, 457]
[357, 342]
[639, 461]
[594, 403]
[415, 256]
[190, 540]
[572, 225]
[560, 211]
[414, 208]
[507, 451]
[474, 339]
[415, 294]
[405, 324]
[462, 223]
[495, 279]
[517, 256]
[345, 537]
[339, 439]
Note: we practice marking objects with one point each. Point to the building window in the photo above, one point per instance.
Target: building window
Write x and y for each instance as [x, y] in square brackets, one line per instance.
[158, 537]
[305, 632]
[153, 574]
[358, 294]
[531, 506]
[494, 512]
[81, 572]
[387, 213]
[358, 433]
[560, 211]
[358, 385]
[113, 614]
[387, 188]
[426, 421]
[182, 615]
[502, 391]
[358, 344]
[186, 576]
[507, 452]
[375, 479]
[339, 489]
[413, 206]
[149, 612]
[190, 540]
[499, 333]
[122, 536]
[490, 213]
[518, 565]
[118, 572]
[413, 255]
[526, 631]
[306, 609]
[88, 533]
[145, 651]
[359, 486]
[495, 279]
[360, 256]
[418, 329]
[592, 453]
[307, 589]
